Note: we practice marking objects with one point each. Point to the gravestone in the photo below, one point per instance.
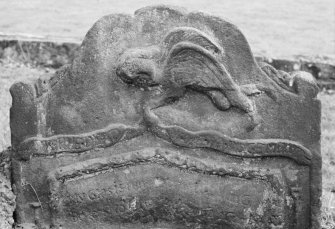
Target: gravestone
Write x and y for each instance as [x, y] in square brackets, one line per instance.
[165, 120]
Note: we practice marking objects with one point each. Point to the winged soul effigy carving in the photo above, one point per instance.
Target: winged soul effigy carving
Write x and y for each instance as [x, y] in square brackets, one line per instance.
[165, 119]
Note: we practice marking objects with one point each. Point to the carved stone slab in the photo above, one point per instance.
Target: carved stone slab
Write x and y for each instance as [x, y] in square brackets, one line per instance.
[165, 120]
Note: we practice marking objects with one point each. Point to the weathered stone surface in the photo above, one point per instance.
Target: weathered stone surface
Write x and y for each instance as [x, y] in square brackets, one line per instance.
[7, 197]
[7, 203]
[165, 120]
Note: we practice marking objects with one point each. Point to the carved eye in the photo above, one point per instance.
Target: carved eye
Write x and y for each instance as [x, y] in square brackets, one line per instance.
[137, 71]
[138, 67]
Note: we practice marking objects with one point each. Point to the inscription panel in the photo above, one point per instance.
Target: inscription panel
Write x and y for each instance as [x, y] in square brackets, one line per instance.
[157, 195]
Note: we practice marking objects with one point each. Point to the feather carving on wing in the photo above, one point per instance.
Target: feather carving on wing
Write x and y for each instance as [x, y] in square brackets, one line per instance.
[186, 59]
[192, 61]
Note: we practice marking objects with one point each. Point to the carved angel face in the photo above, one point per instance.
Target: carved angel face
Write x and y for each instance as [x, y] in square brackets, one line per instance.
[190, 70]
[187, 59]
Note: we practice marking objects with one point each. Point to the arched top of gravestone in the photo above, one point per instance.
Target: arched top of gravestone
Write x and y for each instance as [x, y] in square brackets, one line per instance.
[124, 61]
[91, 82]
[113, 34]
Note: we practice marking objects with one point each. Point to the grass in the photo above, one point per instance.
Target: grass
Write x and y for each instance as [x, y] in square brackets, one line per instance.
[328, 159]
[328, 210]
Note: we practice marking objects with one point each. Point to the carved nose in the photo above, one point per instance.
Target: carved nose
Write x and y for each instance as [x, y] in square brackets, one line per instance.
[138, 71]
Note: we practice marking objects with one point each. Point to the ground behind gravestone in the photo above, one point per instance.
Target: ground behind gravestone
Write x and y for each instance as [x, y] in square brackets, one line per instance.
[273, 28]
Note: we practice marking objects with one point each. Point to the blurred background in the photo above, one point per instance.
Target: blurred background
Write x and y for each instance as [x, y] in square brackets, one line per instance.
[273, 28]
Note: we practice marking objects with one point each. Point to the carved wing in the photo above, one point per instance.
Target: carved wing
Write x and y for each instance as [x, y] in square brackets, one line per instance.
[192, 62]
[193, 36]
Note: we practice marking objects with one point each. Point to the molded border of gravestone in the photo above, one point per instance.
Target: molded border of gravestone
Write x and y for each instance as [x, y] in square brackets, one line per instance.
[55, 52]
